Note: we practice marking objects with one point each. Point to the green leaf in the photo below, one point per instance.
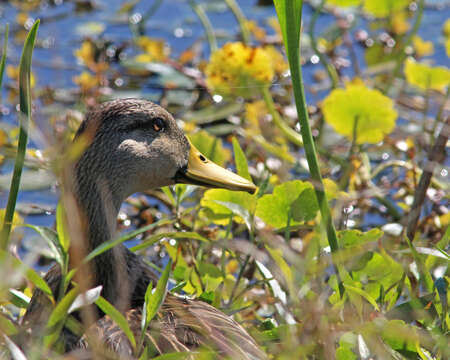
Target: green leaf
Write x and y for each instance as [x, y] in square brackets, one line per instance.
[219, 213]
[425, 276]
[277, 256]
[154, 300]
[7, 326]
[362, 293]
[296, 6]
[427, 77]
[237, 210]
[343, 353]
[240, 160]
[24, 119]
[30, 274]
[149, 241]
[61, 227]
[384, 8]
[51, 238]
[399, 335]
[114, 242]
[295, 197]
[211, 147]
[117, 317]
[58, 316]
[360, 112]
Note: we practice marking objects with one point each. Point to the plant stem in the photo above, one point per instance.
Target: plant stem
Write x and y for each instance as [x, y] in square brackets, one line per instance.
[436, 156]
[5, 49]
[331, 70]
[24, 121]
[290, 133]
[292, 43]
[209, 30]
[241, 19]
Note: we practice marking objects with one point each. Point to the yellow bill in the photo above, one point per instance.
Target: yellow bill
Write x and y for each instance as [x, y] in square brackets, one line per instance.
[202, 171]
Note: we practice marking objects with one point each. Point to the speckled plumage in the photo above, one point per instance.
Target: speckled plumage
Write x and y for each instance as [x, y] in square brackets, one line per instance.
[124, 155]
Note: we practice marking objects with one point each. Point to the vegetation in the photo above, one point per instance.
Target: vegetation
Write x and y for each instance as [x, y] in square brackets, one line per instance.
[343, 250]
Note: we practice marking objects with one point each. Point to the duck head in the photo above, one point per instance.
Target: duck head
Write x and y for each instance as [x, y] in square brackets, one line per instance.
[136, 145]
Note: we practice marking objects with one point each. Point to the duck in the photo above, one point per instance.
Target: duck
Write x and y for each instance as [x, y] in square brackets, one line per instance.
[129, 146]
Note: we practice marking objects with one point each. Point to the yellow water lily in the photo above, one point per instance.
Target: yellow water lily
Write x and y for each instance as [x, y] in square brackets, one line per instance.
[359, 111]
[154, 50]
[85, 54]
[237, 69]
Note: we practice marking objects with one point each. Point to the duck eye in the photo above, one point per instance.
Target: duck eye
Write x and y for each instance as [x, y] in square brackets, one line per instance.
[158, 124]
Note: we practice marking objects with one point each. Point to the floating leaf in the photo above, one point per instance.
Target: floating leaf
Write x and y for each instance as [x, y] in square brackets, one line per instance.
[427, 77]
[344, 3]
[384, 8]
[90, 29]
[211, 147]
[368, 110]
[219, 213]
[293, 198]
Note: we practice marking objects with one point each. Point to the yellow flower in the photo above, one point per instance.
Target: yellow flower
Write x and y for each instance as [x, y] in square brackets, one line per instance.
[155, 50]
[236, 69]
[13, 73]
[278, 62]
[422, 47]
[255, 112]
[86, 81]
[86, 53]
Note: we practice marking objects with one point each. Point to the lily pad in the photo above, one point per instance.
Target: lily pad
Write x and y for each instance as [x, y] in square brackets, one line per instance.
[217, 204]
[293, 198]
[427, 77]
[384, 8]
[360, 112]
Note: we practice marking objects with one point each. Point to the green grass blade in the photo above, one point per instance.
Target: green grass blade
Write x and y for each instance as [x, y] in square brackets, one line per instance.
[110, 244]
[5, 49]
[290, 14]
[117, 317]
[240, 160]
[25, 118]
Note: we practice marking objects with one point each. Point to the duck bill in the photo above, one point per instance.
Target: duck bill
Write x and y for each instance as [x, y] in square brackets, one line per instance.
[202, 171]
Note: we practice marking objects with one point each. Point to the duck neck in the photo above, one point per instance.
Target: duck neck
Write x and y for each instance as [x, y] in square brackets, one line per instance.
[99, 201]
